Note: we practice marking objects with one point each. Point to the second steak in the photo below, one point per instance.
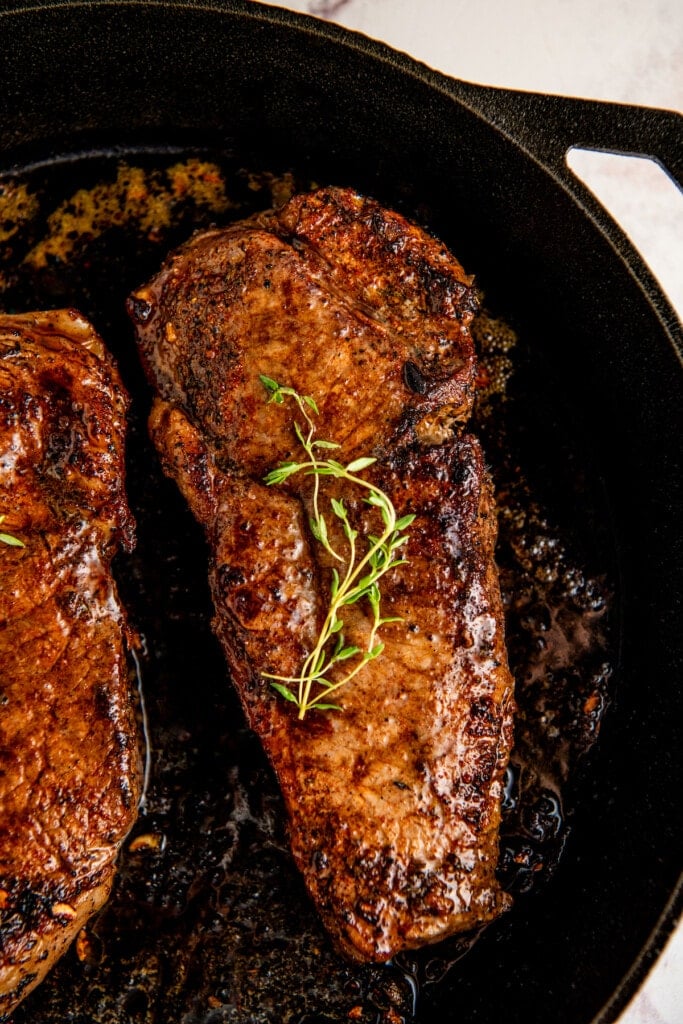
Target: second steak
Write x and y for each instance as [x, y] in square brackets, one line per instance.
[70, 765]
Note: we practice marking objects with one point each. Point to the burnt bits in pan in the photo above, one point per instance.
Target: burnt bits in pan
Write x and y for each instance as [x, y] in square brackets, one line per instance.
[208, 921]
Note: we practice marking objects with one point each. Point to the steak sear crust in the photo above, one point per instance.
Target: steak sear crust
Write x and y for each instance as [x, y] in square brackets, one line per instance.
[394, 801]
[70, 767]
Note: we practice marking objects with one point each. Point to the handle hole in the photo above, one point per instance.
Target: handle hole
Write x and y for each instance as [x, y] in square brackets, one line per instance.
[647, 205]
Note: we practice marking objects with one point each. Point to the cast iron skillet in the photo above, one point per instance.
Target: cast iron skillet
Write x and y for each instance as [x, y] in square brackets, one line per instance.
[103, 78]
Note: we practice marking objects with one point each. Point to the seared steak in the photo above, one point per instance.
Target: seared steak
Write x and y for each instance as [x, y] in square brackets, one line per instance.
[69, 756]
[394, 801]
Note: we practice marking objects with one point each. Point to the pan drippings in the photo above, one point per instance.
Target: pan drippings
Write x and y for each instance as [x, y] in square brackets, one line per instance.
[208, 922]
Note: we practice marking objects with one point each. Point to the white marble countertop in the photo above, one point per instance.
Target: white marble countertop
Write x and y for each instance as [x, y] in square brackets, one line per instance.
[628, 51]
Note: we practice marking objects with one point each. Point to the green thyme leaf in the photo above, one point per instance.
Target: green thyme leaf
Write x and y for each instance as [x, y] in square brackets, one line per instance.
[281, 472]
[338, 507]
[284, 691]
[300, 434]
[358, 464]
[9, 538]
[322, 530]
[11, 541]
[405, 522]
[346, 653]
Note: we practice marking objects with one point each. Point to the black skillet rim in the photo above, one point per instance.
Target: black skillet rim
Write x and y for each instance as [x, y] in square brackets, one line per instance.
[612, 127]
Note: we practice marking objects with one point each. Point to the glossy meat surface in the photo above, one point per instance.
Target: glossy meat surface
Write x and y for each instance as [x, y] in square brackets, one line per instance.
[69, 755]
[394, 801]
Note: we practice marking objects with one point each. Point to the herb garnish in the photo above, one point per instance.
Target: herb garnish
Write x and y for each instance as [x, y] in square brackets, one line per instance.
[7, 538]
[359, 575]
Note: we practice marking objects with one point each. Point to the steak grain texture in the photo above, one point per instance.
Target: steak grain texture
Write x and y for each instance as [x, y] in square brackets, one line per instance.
[69, 757]
[393, 802]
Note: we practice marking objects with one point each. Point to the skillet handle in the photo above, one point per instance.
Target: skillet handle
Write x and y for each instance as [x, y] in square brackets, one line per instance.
[548, 126]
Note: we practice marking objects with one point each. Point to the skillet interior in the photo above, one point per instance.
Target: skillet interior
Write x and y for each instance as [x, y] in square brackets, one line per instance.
[84, 78]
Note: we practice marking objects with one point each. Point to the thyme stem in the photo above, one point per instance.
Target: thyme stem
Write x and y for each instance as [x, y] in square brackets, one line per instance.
[361, 576]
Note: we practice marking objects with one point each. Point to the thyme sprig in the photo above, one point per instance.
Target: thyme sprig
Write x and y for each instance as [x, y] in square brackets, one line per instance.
[8, 538]
[359, 575]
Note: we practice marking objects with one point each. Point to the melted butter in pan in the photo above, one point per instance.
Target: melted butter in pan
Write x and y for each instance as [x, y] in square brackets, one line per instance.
[209, 921]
